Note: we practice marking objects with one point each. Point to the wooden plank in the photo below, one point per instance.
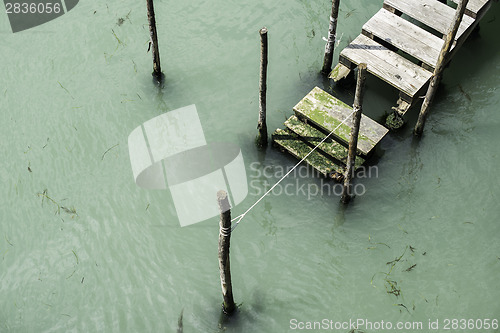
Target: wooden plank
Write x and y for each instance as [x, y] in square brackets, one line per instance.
[405, 36]
[325, 112]
[476, 8]
[387, 65]
[291, 143]
[432, 13]
[313, 137]
[339, 72]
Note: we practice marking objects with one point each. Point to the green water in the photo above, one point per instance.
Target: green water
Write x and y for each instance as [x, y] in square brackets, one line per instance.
[116, 259]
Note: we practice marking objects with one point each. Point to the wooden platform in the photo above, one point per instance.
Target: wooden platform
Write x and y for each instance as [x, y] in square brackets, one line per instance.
[405, 36]
[389, 66]
[404, 52]
[432, 13]
[293, 144]
[476, 8]
[312, 136]
[316, 116]
[325, 112]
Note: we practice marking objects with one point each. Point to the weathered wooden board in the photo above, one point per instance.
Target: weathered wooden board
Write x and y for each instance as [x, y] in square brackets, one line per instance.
[476, 8]
[339, 72]
[432, 13]
[405, 36]
[389, 66]
[324, 111]
[313, 137]
[291, 143]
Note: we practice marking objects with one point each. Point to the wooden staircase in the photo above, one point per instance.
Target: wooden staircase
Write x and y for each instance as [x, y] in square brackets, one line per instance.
[400, 52]
[316, 115]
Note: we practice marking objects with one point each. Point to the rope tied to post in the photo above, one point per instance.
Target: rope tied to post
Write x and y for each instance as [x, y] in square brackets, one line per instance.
[241, 216]
[225, 231]
[336, 41]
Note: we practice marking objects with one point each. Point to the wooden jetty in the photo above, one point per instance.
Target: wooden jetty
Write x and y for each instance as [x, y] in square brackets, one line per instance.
[388, 40]
[402, 53]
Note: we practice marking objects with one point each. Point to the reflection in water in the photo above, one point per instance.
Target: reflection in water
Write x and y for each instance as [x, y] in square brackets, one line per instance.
[410, 171]
[339, 218]
[268, 221]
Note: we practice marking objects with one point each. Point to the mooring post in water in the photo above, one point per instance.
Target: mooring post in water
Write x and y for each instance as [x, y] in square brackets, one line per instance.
[224, 239]
[261, 139]
[353, 142]
[154, 41]
[438, 71]
[330, 44]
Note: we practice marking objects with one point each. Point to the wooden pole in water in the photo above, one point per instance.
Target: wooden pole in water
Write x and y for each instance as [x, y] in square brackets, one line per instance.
[154, 41]
[224, 239]
[261, 139]
[330, 44]
[353, 142]
[438, 71]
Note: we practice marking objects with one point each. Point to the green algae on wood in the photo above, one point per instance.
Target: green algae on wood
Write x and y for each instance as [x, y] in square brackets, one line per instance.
[313, 137]
[394, 121]
[339, 72]
[290, 142]
[327, 113]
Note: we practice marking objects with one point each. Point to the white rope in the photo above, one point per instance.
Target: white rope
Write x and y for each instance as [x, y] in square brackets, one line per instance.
[224, 231]
[240, 217]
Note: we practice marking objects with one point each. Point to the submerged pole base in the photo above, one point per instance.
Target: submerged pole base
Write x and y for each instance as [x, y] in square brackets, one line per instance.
[345, 199]
[261, 140]
[228, 309]
[158, 77]
[226, 319]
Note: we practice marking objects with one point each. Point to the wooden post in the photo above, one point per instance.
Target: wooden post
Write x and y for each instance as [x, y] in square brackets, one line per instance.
[330, 44]
[154, 41]
[353, 142]
[438, 71]
[261, 139]
[224, 239]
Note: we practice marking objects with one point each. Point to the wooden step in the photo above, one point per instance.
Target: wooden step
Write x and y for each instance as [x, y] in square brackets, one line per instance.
[476, 8]
[389, 66]
[291, 143]
[326, 113]
[432, 13]
[312, 136]
[405, 36]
